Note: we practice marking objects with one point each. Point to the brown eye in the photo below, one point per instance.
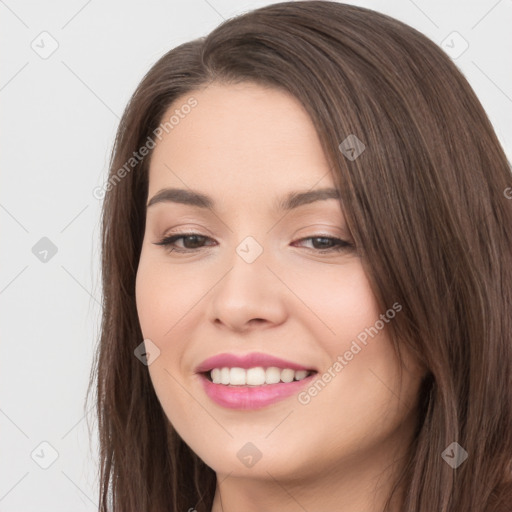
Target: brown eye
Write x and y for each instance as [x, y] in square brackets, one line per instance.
[191, 242]
[323, 244]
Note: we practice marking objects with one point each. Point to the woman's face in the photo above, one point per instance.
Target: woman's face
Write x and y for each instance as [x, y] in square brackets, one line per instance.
[260, 276]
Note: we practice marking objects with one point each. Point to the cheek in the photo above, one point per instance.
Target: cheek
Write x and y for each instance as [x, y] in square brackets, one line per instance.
[361, 367]
[154, 293]
[166, 296]
[341, 300]
[148, 296]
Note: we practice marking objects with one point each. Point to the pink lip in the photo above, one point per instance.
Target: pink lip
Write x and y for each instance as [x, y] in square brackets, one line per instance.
[252, 397]
[247, 361]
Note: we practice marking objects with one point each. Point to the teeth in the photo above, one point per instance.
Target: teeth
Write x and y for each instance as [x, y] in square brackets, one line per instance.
[272, 375]
[287, 375]
[224, 376]
[237, 377]
[257, 376]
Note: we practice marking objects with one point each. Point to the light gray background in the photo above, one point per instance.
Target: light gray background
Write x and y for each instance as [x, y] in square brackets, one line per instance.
[60, 115]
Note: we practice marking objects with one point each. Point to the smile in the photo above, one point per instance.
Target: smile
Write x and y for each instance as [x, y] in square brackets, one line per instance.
[253, 396]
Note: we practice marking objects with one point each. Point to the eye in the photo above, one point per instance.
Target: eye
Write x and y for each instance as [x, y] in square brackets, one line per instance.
[324, 244]
[194, 241]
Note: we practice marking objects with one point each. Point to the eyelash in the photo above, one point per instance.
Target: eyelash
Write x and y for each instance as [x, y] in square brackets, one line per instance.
[167, 242]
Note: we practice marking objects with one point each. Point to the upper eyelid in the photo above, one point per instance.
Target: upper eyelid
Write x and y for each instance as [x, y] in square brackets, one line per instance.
[342, 231]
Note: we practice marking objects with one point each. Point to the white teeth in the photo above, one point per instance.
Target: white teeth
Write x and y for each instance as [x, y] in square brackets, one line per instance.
[215, 375]
[224, 376]
[237, 377]
[256, 376]
[272, 375]
[301, 374]
[287, 375]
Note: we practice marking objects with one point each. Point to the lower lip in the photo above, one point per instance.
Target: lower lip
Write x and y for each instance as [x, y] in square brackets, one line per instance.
[251, 397]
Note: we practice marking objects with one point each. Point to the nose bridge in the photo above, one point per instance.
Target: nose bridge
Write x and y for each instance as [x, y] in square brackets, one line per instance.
[250, 250]
[248, 290]
[247, 279]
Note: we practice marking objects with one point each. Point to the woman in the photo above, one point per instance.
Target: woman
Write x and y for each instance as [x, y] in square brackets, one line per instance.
[307, 272]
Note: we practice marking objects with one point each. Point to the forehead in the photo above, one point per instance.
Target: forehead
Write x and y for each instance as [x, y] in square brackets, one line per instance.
[245, 136]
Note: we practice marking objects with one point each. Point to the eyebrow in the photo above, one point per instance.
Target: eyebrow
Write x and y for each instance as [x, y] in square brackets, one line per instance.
[197, 199]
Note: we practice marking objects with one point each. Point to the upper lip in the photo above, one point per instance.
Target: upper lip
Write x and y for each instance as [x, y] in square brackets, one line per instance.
[247, 361]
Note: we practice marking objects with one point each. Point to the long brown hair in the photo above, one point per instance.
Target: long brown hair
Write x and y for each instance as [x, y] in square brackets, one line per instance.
[426, 203]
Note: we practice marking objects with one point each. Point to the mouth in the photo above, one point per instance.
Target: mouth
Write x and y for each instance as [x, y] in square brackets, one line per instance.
[252, 380]
[238, 388]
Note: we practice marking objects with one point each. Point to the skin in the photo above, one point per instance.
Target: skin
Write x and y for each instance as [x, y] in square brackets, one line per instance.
[246, 146]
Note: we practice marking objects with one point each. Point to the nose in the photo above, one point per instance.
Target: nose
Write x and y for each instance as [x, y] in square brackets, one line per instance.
[248, 296]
